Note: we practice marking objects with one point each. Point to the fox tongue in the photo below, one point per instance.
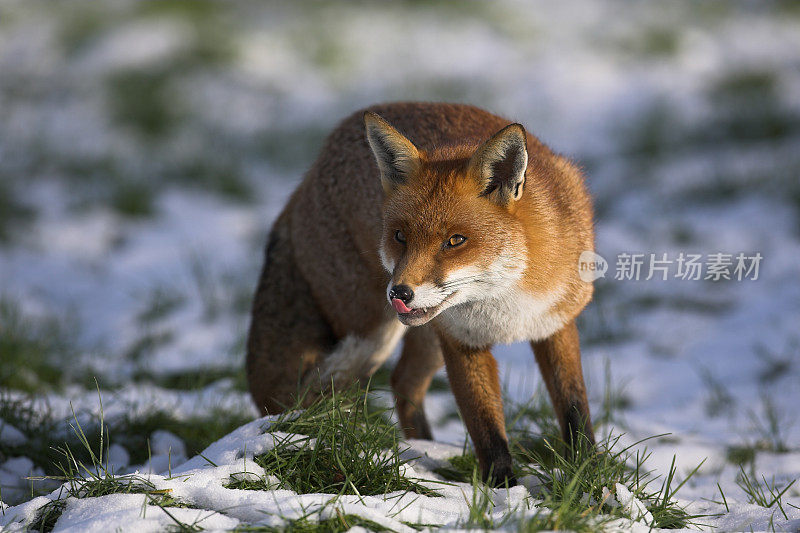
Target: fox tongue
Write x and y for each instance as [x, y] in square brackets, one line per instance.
[399, 306]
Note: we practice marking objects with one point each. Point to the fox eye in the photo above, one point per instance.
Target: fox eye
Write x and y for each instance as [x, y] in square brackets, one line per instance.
[399, 236]
[456, 240]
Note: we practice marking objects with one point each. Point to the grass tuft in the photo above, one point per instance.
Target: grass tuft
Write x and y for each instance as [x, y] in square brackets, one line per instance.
[763, 493]
[481, 506]
[565, 520]
[575, 484]
[92, 478]
[770, 425]
[44, 433]
[459, 468]
[47, 516]
[309, 524]
[32, 349]
[741, 455]
[615, 401]
[345, 446]
[719, 401]
[579, 482]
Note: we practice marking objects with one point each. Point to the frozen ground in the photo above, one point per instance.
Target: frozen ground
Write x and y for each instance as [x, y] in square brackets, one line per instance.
[145, 148]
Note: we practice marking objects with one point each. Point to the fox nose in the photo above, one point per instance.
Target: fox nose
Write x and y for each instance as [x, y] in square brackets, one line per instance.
[402, 293]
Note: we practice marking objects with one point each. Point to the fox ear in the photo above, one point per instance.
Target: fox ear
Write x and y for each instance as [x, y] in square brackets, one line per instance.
[500, 165]
[396, 156]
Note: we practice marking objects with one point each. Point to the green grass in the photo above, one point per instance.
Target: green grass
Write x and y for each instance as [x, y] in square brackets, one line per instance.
[147, 343]
[741, 455]
[33, 349]
[221, 174]
[615, 401]
[221, 293]
[49, 437]
[548, 517]
[770, 425]
[567, 477]
[13, 212]
[460, 468]
[338, 445]
[537, 411]
[197, 432]
[160, 303]
[285, 148]
[743, 86]
[84, 475]
[719, 400]
[345, 446]
[528, 426]
[47, 516]
[746, 107]
[767, 494]
[140, 100]
[133, 199]
[606, 319]
[198, 10]
[34, 420]
[481, 505]
[777, 364]
[194, 379]
[652, 42]
[381, 379]
[80, 29]
[308, 524]
[563, 520]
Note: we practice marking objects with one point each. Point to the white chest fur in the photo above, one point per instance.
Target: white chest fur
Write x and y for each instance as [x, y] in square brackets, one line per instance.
[511, 317]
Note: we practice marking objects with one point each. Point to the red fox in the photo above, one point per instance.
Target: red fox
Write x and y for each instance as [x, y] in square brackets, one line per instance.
[446, 226]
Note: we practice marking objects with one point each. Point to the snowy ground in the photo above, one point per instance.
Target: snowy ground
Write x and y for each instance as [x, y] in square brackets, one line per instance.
[145, 148]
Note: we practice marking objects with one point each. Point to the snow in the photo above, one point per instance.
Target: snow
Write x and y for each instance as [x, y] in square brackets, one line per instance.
[13, 474]
[129, 512]
[201, 485]
[569, 71]
[632, 505]
[11, 435]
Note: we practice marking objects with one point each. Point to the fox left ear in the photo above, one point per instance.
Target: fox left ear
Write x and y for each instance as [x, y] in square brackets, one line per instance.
[500, 165]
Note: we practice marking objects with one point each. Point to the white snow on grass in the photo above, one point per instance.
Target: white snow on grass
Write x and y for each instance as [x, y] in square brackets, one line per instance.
[199, 486]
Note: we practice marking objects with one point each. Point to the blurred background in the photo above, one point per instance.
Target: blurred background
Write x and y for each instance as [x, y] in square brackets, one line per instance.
[146, 146]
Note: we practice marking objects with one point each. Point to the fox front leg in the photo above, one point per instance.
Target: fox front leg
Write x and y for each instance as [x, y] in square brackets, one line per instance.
[476, 386]
[559, 359]
[420, 359]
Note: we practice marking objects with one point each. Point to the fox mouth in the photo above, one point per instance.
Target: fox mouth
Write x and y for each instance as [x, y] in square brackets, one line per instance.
[418, 315]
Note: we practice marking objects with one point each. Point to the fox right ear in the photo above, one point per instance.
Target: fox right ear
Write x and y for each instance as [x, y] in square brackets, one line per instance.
[500, 164]
[397, 157]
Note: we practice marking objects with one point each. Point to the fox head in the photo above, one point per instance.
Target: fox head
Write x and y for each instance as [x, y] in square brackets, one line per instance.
[451, 230]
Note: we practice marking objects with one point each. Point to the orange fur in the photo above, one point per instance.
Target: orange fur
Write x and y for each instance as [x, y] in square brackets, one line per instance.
[376, 213]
